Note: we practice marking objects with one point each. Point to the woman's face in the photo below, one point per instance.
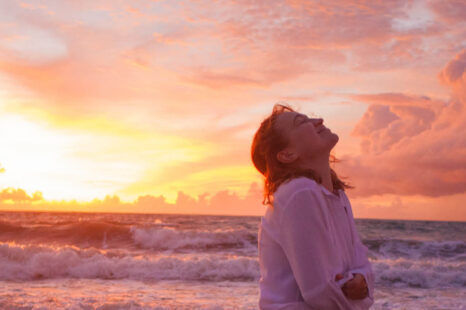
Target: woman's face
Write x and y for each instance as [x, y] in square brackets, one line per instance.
[307, 137]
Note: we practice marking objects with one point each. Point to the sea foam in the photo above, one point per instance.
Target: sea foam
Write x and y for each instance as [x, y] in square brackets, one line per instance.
[40, 262]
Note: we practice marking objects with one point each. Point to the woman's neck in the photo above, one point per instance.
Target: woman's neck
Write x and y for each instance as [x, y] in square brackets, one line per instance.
[322, 168]
[324, 173]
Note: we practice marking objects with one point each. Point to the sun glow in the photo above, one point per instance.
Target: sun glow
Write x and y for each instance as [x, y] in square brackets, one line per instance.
[85, 160]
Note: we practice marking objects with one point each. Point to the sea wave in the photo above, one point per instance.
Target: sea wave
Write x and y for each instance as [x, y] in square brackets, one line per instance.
[20, 262]
[433, 273]
[161, 236]
[24, 263]
[84, 234]
[415, 249]
[169, 238]
[158, 236]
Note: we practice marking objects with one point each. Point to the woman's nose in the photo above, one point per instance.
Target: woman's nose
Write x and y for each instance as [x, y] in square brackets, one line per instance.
[318, 121]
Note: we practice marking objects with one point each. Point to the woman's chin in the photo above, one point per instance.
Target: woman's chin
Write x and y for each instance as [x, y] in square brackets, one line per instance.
[335, 139]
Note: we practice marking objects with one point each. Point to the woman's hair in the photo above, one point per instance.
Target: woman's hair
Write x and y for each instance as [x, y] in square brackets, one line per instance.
[266, 144]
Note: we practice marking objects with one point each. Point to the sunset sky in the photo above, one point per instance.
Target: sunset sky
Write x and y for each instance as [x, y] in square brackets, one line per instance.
[150, 106]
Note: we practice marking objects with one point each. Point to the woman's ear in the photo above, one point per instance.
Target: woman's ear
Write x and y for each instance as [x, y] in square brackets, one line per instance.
[286, 156]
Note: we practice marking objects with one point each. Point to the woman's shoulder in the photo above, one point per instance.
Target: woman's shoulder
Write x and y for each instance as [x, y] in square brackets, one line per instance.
[293, 186]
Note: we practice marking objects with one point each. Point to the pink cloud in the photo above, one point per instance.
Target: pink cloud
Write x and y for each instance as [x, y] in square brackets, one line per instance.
[157, 56]
[412, 145]
[455, 71]
[451, 11]
[217, 45]
[385, 125]
[443, 208]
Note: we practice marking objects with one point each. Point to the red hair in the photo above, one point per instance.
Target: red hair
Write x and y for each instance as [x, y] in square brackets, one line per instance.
[266, 144]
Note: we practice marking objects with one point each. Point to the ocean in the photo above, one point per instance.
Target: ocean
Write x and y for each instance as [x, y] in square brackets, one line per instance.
[164, 261]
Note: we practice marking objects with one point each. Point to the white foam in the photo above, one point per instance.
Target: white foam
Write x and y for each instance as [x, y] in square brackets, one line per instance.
[434, 273]
[26, 262]
[39, 262]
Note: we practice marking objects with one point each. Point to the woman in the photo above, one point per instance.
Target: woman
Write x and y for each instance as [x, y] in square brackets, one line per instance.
[310, 254]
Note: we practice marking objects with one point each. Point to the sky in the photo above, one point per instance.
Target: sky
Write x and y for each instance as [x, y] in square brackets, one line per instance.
[151, 106]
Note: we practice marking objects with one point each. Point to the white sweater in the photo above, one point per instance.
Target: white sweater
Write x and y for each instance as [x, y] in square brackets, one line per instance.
[305, 239]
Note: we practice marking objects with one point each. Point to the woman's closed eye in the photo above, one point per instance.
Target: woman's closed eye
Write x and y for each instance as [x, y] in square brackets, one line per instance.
[304, 120]
[301, 119]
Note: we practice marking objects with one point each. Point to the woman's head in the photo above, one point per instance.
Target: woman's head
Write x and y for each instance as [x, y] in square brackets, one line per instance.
[287, 140]
[307, 139]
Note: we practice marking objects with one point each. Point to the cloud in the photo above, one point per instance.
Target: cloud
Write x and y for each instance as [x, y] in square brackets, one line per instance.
[174, 67]
[383, 125]
[412, 145]
[223, 202]
[454, 73]
[18, 195]
[226, 202]
[91, 54]
[450, 11]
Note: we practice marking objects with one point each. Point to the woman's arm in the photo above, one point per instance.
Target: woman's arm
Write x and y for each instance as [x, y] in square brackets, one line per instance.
[307, 243]
[361, 261]
[362, 265]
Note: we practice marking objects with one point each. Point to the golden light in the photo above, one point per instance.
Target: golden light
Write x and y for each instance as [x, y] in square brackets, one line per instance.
[85, 160]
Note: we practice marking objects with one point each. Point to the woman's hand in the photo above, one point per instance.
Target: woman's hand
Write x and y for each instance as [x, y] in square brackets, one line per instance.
[355, 288]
